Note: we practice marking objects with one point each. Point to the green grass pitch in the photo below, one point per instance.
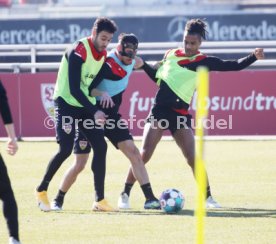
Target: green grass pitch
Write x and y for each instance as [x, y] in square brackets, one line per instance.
[242, 176]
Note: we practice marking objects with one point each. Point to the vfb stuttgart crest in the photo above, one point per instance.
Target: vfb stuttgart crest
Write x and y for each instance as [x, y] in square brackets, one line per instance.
[47, 93]
[83, 144]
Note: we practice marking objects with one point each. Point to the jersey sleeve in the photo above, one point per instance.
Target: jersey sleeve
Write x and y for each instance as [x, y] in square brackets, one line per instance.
[113, 70]
[4, 106]
[110, 70]
[217, 64]
[99, 77]
[80, 51]
[150, 71]
[74, 76]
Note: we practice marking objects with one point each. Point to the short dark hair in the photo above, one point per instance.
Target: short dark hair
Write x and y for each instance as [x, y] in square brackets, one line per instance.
[128, 38]
[105, 24]
[196, 27]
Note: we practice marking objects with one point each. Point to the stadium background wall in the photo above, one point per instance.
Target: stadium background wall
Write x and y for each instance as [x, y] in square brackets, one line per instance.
[222, 27]
[240, 103]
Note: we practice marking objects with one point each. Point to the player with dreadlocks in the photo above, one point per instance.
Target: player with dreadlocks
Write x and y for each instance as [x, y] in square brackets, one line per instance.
[176, 78]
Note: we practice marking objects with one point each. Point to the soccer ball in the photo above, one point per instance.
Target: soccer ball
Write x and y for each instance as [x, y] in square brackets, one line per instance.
[171, 201]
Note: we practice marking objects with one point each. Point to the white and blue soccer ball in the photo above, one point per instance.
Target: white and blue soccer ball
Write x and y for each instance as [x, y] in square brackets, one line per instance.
[171, 201]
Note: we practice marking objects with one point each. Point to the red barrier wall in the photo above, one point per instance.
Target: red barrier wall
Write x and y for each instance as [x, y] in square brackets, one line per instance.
[240, 103]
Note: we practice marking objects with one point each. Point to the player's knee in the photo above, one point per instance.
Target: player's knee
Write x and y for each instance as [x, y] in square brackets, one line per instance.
[65, 151]
[145, 154]
[80, 162]
[78, 168]
[190, 159]
[7, 194]
[100, 147]
[133, 151]
[130, 150]
[99, 157]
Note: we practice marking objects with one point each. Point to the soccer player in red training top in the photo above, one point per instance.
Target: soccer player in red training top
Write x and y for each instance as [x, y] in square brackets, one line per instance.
[6, 193]
[176, 78]
[109, 86]
[73, 103]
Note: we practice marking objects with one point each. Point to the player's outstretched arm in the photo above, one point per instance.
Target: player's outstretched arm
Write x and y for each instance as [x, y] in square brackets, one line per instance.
[217, 64]
[150, 71]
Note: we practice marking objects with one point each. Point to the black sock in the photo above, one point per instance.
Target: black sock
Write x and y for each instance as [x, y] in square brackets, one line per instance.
[43, 186]
[60, 196]
[127, 189]
[208, 192]
[147, 190]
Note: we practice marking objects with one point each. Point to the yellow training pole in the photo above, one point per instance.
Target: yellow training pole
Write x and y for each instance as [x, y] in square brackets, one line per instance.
[201, 114]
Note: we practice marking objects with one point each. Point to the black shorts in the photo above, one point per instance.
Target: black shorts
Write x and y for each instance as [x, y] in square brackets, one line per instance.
[116, 130]
[69, 120]
[168, 119]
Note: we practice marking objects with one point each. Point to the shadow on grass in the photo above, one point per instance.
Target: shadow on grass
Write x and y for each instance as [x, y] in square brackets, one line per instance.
[242, 213]
[223, 212]
[235, 213]
[120, 212]
[142, 212]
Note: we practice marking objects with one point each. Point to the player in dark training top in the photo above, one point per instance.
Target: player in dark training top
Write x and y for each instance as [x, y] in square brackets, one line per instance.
[176, 78]
[109, 86]
[10, 210]
[73, 105]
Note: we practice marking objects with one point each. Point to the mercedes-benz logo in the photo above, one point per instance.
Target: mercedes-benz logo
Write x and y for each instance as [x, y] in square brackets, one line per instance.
[176, 28]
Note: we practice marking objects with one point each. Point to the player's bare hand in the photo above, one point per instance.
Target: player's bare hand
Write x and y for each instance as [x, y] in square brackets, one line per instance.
[12, 147]
[139, 62]
[106, 101]
[100, 117]
[259, 53]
